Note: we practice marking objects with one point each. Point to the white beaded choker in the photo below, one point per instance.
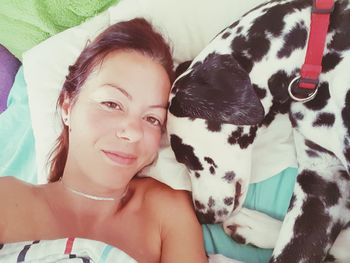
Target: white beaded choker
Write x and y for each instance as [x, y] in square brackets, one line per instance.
[94, 197]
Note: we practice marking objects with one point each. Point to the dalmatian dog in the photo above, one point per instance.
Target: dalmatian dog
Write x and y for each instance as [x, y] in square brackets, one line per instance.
[234, 90]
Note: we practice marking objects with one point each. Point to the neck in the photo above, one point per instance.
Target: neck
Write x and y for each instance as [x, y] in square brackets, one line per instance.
[113, 198]
[77, 214]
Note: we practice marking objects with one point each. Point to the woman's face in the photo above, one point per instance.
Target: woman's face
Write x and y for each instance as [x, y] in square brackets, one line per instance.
[116, 122]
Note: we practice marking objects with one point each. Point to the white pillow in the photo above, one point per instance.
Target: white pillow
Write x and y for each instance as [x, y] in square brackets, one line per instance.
[188, 26]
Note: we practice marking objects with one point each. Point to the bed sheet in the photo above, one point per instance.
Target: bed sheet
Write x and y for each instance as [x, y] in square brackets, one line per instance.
[62, 250]
[17, 155]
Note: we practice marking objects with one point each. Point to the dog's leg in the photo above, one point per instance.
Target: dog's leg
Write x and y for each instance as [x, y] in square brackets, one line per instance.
[318, 209]
[258, 229]
[253, 227]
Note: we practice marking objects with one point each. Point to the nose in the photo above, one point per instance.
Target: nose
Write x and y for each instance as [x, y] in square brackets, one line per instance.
[130, 130]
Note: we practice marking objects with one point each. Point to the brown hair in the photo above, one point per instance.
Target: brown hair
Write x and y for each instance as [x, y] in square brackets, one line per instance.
[136, 35]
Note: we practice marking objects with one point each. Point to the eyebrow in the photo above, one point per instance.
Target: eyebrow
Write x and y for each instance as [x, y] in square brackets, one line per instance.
[123, 91]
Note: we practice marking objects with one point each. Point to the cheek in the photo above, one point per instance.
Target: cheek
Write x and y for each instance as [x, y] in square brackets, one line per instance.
[152, 141]
[87, 123]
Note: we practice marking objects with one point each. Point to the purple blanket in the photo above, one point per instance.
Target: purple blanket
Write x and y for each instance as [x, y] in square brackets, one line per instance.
[8, 68]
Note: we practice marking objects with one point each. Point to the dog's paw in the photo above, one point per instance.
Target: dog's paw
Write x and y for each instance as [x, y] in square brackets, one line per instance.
[253, 227]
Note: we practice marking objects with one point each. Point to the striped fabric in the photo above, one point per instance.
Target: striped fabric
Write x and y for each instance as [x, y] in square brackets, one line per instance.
[62, 250]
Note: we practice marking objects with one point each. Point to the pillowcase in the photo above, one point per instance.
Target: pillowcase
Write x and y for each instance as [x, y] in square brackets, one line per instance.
[187, 25]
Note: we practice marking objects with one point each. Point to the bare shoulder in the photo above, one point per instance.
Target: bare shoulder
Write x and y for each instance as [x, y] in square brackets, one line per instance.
[167, 204]
[180, 232]
[13, 194]
[12, 187]
[159, 195]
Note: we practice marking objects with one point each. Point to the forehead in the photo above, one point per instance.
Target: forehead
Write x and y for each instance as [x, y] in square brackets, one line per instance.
[132, 71]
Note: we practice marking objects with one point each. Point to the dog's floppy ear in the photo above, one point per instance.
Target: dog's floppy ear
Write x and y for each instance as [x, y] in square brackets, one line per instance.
[181, 68]
[218, 90]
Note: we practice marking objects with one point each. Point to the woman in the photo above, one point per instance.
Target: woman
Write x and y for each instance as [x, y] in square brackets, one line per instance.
[113, 106]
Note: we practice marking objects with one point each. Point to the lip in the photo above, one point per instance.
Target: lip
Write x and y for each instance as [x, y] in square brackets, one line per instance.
[119, 158]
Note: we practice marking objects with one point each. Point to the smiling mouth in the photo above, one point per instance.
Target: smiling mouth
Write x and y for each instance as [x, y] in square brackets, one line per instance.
[119, 158]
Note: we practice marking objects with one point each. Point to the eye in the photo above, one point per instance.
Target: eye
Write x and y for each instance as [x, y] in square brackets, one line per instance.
[110, 105]
[154, 121]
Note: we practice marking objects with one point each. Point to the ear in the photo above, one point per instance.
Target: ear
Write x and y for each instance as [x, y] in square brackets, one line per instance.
[65, 109]
[218, 90]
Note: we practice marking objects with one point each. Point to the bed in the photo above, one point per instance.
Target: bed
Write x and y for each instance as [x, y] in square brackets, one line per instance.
[29, 124]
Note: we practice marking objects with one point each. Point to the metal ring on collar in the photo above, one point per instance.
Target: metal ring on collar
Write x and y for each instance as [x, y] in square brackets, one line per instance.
[308, 98]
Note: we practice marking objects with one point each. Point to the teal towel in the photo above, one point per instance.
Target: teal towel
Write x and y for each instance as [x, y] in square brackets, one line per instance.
[270, 196]
[25, 23]
[17, 154]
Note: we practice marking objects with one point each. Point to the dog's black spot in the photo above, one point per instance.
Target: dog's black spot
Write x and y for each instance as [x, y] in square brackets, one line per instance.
[339, 23]
[237, 237]
[329, 258]
[259, 91]
[248, 139]
[243, 140]
[213, 126]
[206, 218]
[296, 38]
[198, 205]
[295, 117]
[344, 174]
[184, 153]
[273, 20]
[226, 34]
[321, 98]
[276, 108]
[258, 46]
[312, 154]
[317, 148]
[212, 170]
[235, 135]
[237, 195]
[330, 61]
[254, 47]
[347, 153]
[222, 212]
[293, 120]
[210, 161]
[278, 86]
[292, 202]
[324, 119]
[228, 201]
[298, 115]
[229, 176]
[233, 25]
[211, 202]
[314, 185]
[197, 175]
[336, 228]
[345, 113]
[239, 30]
